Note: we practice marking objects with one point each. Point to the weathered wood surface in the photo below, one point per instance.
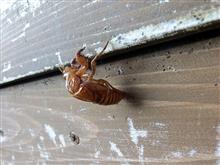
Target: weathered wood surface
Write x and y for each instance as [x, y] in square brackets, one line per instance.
[176, 118]
[36, 33]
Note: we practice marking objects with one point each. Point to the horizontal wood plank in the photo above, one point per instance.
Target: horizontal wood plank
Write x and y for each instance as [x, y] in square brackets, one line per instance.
[36, 34]
[174, 119]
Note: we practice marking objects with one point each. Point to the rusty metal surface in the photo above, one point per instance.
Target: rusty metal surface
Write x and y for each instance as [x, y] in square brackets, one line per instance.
[36, 34]
[176, 118]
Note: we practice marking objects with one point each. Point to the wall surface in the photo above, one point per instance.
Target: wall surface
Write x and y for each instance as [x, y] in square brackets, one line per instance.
[37, 35]
[174, 119]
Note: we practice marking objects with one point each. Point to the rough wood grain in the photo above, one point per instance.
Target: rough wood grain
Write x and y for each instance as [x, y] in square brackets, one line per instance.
[176, 119]
[35, 33]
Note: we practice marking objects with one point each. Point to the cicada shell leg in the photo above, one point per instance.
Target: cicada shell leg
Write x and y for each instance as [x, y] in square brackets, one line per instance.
[93, 62]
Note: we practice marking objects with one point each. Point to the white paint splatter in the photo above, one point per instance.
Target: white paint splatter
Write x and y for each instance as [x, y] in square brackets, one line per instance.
[216, 1]
[157, 31]
[115, 149]
[41, 138]
[34, 5]
[6, 4]
[9, 20]
[49, 109]
[22, 34]
[141, 154]
[160, 125]
[34, 59]
[32, 148]
[217, 150]
[31, 132]
[91, 3]
[38, 146]
[27, 25]
[2, 139]
[13, 157]
[97, 154]
[84, 45]
[128, 5]
[18, 37]
[59, 58]
[47, 67]
[134, 133]
[6, 66]
[62, 140]
[192, 152]
[51, 133]
[82, 109]
[99, 49]
[20, 147]
[30, 7]
[6, 79]
[177, 154]
[163, 1]
[96, 43]
[44, 155]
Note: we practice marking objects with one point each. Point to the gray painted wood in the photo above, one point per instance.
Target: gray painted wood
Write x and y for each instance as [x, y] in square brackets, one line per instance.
[35, 33]
[175, 119]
